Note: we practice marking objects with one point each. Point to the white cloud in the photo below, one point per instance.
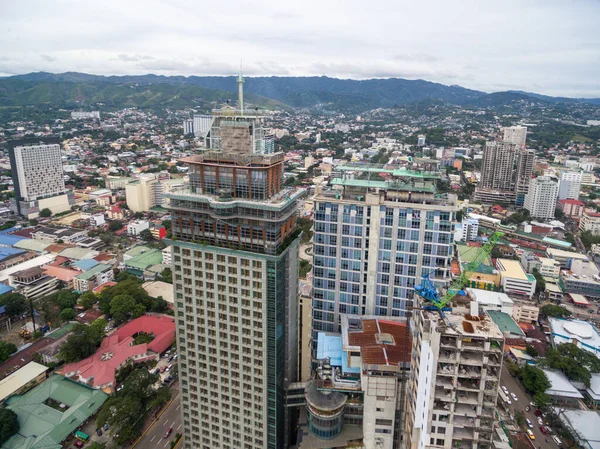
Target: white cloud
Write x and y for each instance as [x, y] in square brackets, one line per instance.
[547, 46]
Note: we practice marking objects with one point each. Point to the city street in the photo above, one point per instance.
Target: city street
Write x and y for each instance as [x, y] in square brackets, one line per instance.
[154, 435]
[523, 401]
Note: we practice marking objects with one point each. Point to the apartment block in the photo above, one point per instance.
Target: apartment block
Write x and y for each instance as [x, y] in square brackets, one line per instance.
[38, 177]
[373, 239]
[569, 185]
[525, 163]
[525, 313]
[467, 230]
[89, 280]
[571, 208]
[516, 135]
[497, 165]
[453, 387]
[540, 200]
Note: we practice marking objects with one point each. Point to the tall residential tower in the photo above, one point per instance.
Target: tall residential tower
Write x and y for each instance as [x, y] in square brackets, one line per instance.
[235, 276]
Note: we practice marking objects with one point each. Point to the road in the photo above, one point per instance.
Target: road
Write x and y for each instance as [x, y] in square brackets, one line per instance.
[171, 417]
[523, 401]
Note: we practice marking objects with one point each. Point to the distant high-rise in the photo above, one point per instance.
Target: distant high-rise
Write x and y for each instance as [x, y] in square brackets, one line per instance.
[235, 277]
[525, 163]
[569, 185]
[497, 165]
[540, 200]
[188, 127]
[421, 140]
[202, 124]
[515, 135]
[38, 177]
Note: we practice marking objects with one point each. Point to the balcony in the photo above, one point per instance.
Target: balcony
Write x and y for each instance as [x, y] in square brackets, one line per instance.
[444, 383]
[448, 342]
[462, 434]
[444, 395]
[469, 372]
[447, 356]
[440, 406]
[469, 385]
[472, 345]
[464, 421]
[467, 398]
[445, 369]
[471, 359]
[465, 410]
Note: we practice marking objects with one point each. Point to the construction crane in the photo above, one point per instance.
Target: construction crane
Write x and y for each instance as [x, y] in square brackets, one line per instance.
[429, 292]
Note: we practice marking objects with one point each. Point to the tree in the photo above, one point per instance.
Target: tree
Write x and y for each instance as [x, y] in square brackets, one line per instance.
[166, 275]
[9, 424]
[66, 299]
[67, 314]
[14, 304]
[146, 235]
[125, 414]
[87, 300]
[82, 343]
[115, 226]
[45, 213]
[534, 380]
[142, 338]
[124, 306]
[531, 351]
[551, 310]
[159, 305]
[576, 363]
[6, 350]
[540, 283]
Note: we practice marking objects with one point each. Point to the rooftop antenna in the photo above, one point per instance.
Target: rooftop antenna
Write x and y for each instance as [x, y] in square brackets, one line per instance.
[240, 83]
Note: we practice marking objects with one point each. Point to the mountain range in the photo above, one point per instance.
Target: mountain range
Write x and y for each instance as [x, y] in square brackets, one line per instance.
[74, 89]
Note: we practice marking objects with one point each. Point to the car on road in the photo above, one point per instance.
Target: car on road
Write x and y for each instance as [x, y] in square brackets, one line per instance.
[79, 444]
[538, 412]
[106, 426]
[530, 434]
[168, 432]
[99, 431]
[532, 404]
[504, 389]
[169, 368]
[540, 421]
[543, 430]
[514, 396]
[163, 369]
[529, 423]
[168, 379]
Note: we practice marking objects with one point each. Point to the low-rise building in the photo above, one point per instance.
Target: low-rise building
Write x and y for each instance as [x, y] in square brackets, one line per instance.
[561, 391]
[22, 380]
[525, 313]
[94, 277]
[582, 333]
[514, 279]
[490, 300]
[166, 254]
[565, 258]
[571, 208]
[137, 226]
[33, 282]
[54, 234]
[590, 221]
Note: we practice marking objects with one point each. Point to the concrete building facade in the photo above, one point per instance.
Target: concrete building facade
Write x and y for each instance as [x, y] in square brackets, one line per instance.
[569, 185]
[540, 200]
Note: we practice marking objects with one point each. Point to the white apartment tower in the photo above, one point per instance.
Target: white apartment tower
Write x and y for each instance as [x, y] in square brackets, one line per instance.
[373, 240]
[569, 185]
[38, 177]
[540, 201]
[515, 135]
[525, 163]
[455, 371]
[188, 127]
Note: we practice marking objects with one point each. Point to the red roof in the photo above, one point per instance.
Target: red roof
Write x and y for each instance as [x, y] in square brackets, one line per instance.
[117, 348]
[576, 202]
[103, 286]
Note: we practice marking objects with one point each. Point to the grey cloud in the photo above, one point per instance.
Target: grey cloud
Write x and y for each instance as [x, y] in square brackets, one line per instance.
[48, 58]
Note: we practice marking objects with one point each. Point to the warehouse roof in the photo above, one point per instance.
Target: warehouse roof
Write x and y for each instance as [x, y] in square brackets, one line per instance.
[17, 380]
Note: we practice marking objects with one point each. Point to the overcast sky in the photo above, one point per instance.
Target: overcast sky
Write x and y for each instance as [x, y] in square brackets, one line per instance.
[545, 46]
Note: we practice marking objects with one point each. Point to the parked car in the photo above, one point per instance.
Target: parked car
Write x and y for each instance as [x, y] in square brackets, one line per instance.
[514, 396]
[169, 368]
[168, 432]
[530, 434]
[529, 423]
[543, 430]
[168, 379]
[99, 431]
[504, 389]
[79, 444]
[540, 421]
[538, 412]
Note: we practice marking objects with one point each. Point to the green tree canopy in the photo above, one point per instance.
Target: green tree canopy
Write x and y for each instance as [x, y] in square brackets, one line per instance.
[14, 304]
[115, 225]
[552, 310]
[576, 363]
[534, 380]
[87, 300]
[122, 307]
[45, 213]
[166, 275]
[66, 299]
[6, 350]
[146, 235]
[67, 314]
[82, 343]
[9, 424]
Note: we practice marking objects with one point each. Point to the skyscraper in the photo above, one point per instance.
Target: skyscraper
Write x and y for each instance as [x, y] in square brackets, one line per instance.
[235, 266]
[525, 163]
[497, 165]
[375, 238]
[540, 201]
[515, 135]
[569, 185]
[38, 177]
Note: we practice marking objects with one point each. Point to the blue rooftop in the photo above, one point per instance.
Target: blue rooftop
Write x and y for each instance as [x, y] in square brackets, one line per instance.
[9, 240]
[331, 346]
[5, 252]
[5, 289]
[86, 264]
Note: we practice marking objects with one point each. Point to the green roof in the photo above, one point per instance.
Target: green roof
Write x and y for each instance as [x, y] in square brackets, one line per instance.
[145, 260]
[100, 268]
[505, 322]
[137, 250]
[44, 427]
